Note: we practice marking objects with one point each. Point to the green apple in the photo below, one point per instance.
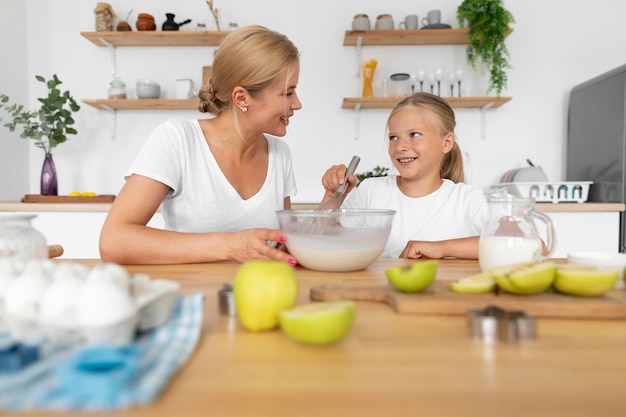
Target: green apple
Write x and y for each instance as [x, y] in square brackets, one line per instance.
[475, 284]
[261, 290]
[525, 278]
[583, 280]
[412, 278]
[320, 323]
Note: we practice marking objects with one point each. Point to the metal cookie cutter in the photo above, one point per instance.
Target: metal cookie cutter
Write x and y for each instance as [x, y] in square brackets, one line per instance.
[494, 322]
[227, 300]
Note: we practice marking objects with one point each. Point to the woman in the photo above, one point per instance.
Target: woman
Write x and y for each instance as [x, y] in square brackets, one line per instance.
[220, 180]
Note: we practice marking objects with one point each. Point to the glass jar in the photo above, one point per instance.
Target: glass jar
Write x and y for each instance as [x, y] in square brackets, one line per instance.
[20, 240]
[117, 88]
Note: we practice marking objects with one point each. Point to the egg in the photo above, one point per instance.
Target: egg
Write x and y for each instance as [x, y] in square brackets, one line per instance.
[24, 293]
[103, 302]
[70, 269]
[110, 272]
[58, 302]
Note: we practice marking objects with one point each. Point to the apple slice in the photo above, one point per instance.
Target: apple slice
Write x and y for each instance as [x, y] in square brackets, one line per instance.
[413, 278]
[320, 323]
[475, 284]
[525, 278]
[584, 280]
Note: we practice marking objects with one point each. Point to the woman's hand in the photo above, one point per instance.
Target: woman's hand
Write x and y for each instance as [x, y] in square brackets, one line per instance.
[333, 178]
[252, 244]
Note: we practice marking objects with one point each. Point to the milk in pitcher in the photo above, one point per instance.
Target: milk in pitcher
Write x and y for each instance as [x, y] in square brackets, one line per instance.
[504, 250]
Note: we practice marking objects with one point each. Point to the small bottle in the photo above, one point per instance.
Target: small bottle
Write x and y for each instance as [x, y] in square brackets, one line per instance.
[117, 88]
[385, 87]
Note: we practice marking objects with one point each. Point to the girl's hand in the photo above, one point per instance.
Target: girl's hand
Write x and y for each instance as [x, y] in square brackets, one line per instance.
[418, 249]
[334, 177]
[252, 244]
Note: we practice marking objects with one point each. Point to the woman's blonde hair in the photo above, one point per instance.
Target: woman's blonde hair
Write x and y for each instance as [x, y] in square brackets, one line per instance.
[443, 115]
[251, 57]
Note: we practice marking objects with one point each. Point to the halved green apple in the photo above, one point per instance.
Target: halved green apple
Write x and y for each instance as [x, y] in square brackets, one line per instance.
[588, 281]
[475, 284]
[412, 278]
[525, 278]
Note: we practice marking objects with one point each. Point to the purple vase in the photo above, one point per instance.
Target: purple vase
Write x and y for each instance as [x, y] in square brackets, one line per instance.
[48, 176]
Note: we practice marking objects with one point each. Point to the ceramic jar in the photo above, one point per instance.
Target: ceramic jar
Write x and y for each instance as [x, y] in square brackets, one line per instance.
[145, 21]
[361, 22]
[20, 240]
[384, 22]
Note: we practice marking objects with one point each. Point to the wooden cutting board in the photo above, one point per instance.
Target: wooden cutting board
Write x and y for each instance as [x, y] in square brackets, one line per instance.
[54, 199]
[438, 299]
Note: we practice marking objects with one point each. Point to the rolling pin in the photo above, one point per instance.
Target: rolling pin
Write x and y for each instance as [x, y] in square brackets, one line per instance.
[55, 251]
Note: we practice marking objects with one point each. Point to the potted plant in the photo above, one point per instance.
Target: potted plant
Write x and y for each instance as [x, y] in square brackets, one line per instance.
[48, 126]
[488, 23]
[378, 171]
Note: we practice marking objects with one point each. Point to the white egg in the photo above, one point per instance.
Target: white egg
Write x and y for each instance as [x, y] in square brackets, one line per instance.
[110, 272]
[102, 302]
[24, 293]
[70, 269]
[58, 302]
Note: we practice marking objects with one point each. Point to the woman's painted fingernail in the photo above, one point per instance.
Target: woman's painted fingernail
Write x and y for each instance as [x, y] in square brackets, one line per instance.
[282, 239]
[292, 262]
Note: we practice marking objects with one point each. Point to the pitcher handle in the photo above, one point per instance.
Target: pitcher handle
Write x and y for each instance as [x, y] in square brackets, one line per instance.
[547, 252]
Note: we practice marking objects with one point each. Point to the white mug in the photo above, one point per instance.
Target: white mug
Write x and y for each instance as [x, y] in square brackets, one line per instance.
[410, 22]
[433, 17]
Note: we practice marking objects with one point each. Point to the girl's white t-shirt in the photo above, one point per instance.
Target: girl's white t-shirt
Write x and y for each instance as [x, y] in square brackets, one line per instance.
[201, 198]
[455, 210]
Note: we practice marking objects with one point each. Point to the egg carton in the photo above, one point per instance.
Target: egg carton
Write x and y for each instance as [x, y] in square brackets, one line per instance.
[153, 300]
[546, 192]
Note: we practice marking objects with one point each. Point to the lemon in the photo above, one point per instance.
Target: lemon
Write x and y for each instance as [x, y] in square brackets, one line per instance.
[87, 194]
[584, 280]
[413, 278]
[479, 283]
[525, 278]
[261, 290]
[74, 194]
[320, 323]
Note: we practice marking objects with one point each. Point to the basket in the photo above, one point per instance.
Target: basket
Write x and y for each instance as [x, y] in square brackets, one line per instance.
[555, 192]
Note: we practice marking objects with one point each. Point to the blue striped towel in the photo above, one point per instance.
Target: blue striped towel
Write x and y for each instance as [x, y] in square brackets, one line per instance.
[161, 352]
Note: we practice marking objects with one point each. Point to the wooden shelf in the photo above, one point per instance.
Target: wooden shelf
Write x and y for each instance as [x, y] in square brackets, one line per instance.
[142, 104]
[156, 38]
[408, 37]
[455, 102]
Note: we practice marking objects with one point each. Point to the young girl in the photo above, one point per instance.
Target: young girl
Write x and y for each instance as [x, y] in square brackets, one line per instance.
[220, 180]
[437, 215]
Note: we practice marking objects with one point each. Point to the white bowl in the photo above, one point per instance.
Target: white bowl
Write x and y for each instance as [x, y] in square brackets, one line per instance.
[148, 89]
[337, 241]
[607, 260]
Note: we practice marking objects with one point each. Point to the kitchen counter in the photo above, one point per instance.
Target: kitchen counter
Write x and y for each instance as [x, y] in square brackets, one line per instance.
[76, 226]
[104, 207]
[390, 364]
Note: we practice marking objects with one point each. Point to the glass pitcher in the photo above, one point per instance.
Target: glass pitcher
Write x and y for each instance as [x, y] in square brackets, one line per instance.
[510, 235]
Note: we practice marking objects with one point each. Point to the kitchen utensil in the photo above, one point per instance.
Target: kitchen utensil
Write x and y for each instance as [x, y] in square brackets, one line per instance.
[438, 299]
[335, 201]
[55, 251]
[507, 325]
[355, 239]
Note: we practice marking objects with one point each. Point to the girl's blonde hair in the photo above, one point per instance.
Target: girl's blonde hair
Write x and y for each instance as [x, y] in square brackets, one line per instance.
[443, 115]
[252, 57]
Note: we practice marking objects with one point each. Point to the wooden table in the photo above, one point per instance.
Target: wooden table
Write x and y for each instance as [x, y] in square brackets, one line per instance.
[390, 365]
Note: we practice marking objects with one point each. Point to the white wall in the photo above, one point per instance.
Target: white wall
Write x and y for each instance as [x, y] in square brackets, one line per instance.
[553, 47]
[14, 170]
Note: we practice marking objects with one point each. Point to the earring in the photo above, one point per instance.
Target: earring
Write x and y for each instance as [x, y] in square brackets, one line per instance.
[243, 109]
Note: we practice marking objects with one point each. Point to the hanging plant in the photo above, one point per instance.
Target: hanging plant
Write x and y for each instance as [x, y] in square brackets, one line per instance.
[489, 23]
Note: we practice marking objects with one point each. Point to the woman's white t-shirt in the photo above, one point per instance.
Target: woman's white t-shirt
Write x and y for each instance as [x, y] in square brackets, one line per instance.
[201, 198]
[455, 210]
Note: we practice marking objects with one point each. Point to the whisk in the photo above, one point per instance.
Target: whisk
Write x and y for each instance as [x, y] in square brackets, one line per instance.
[326, 224]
